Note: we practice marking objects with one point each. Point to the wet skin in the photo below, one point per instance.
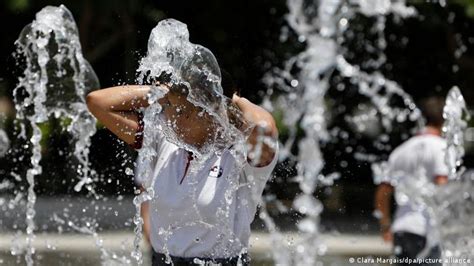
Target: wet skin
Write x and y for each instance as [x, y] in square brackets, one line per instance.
[192, 124]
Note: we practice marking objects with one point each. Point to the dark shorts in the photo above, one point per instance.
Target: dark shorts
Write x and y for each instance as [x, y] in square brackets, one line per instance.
[159, 259]
[408, 245]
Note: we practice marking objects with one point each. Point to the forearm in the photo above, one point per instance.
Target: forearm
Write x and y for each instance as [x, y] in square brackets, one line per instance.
[263, 135]
[261, 147]
[383, 204]
[145, 213]
[115, 108]
[119, 98]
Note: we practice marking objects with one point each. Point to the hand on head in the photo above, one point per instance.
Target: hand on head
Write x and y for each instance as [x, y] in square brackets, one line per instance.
[256, 115]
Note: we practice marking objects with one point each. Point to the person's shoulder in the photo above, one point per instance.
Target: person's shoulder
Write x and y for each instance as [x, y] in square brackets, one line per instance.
[426, 138]
[419, 143]
[431, 141]
[408, 146]
[405, 145]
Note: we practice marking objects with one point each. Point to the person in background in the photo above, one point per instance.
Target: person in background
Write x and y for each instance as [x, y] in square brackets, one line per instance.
[411, 231]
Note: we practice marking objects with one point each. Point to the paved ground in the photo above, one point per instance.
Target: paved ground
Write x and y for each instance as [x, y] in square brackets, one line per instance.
[261, 243]
[356, 237]
[79, 249]
[115, 213]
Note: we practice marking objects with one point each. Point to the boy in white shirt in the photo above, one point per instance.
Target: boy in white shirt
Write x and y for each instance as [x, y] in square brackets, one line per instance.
[184, 214]
[412, 231]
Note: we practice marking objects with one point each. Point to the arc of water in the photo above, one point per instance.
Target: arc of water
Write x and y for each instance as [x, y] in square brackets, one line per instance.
[321, 26]
[4, 141]
[52, 50]
[455, 114]
[31, 82]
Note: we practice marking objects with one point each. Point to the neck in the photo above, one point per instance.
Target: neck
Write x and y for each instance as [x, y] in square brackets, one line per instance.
[431, 130]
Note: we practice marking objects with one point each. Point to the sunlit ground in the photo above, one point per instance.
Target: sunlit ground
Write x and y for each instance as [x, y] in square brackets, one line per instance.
[74, 249]
[82, 258]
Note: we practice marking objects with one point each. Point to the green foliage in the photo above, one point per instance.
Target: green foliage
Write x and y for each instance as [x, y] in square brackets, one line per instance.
[17, 5]
[469, 4]
[278, 116]
[45, 133]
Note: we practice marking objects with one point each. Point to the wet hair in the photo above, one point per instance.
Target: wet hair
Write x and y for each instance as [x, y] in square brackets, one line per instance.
[227, 82]
[432, 110]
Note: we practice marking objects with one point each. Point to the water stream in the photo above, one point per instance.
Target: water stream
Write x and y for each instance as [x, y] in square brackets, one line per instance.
[54, 83]
[57, 78]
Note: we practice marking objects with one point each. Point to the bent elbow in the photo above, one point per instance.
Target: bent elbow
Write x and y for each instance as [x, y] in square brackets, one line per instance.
[92, 101]
[271, 128]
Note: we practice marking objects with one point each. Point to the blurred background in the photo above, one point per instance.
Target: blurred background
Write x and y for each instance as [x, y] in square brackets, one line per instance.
[427, 55]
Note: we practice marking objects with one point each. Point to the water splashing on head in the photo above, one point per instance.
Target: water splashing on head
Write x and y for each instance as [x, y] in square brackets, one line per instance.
[196, 113]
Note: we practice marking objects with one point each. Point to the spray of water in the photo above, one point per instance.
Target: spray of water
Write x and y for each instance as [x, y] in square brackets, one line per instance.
[175, 65]
[55, 82]
[57, 78]
[449, 206]
[107, 257]
[453, 205]
[4, 143]
[321, 26]
[454, 114]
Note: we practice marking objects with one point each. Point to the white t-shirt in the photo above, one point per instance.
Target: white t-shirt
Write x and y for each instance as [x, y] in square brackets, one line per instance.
[191, 219]
[421, 155]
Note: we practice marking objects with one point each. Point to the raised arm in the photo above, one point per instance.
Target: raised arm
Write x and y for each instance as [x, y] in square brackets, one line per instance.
[116, 107]
[264, 126]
